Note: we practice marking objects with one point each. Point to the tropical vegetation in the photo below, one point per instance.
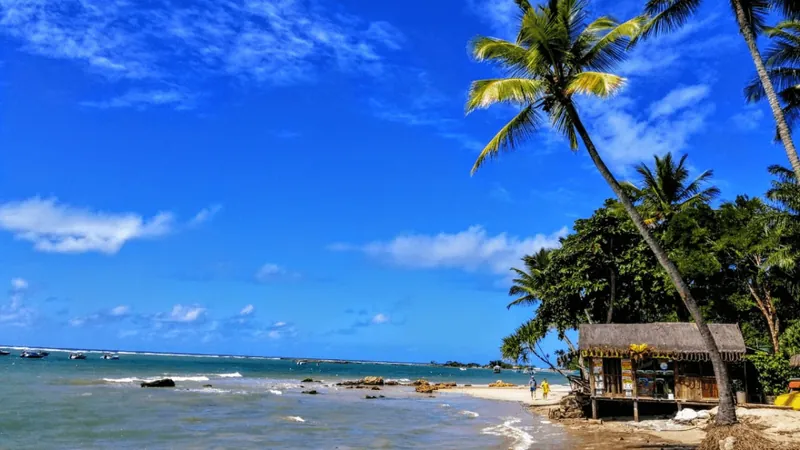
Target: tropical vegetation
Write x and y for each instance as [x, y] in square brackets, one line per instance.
[557, 55]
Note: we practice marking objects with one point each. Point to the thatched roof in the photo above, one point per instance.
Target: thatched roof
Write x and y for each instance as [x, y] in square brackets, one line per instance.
[795, 361]
[674, 340]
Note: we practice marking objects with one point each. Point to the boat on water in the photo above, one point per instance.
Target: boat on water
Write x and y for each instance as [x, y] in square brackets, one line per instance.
[33, 355]
[497, 369]
[77, 355]
[462, 369]
[110, 356]
[301, 362]
[4, 353]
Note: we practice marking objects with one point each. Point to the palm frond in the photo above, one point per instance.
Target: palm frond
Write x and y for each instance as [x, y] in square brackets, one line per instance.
[507, 55]
[599, 84]
[610, 48]
[516, 130]
[518, 91]
[666, 16]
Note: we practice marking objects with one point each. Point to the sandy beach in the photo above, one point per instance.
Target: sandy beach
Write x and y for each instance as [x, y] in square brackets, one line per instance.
[512, 394]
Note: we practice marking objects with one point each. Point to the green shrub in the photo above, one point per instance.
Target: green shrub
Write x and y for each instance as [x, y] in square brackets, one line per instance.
[774, 372]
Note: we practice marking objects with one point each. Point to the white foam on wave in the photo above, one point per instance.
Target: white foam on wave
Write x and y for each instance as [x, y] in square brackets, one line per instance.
[472, 414]
[230, 375]
[295, 419]
[196, 378]
[399, 380]
[123, 380]
[275, 392]
[522, 440]
[444, 405]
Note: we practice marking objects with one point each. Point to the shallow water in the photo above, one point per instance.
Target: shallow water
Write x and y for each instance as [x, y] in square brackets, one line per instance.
[254, 403]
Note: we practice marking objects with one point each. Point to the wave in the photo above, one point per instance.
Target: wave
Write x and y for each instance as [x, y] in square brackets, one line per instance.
[275, 392]
[139, 380]
[469, 414]
[399, 380]
[197, 378]
[295, 419]
[230, 375]
[522, 440]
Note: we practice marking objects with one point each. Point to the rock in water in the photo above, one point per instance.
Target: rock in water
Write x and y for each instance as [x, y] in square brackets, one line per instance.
[307, 380]
[207, 386]
[311, 392]
[372, 381]
[165, 382]
[376, 388]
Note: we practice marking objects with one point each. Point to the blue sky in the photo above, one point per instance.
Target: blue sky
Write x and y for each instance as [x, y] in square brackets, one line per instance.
[290, 177]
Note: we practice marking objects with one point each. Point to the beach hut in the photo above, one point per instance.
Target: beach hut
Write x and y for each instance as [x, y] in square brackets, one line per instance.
[657, 362]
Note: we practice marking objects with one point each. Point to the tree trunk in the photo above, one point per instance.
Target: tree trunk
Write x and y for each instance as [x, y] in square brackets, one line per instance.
[767, 308]
[772, 97]
[613, 286]
[727, 412]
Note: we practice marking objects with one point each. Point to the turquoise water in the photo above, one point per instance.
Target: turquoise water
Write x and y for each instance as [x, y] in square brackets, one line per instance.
[253, 403]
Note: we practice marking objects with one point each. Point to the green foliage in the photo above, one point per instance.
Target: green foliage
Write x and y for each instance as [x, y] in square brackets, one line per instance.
[774, 372]
[790, 339]
[556, 55]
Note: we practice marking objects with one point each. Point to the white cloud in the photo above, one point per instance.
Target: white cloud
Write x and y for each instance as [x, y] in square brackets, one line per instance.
[679, 99]
[19, 284]
[205, 214]
[247, 310]
[624, 135]
[380, 318]
[15, 313]
[501, 15]
[120, 310]
[472, 249]
[143, 99]
[748, 119]
[274, 272]
[60, 228]
[279, 324]
[182, 313]
[270, 41]
[274, 334]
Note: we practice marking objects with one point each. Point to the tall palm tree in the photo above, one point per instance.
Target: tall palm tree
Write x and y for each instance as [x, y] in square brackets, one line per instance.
[668, 15]
[668, 190]
[783, 69]
[525, 286]
[557, 55]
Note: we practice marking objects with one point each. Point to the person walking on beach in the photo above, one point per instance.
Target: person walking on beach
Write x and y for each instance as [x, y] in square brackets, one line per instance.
[545, 389]
[532, 384]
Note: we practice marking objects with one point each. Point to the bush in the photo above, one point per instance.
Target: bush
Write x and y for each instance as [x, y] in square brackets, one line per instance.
[774, 372]
[790, 340]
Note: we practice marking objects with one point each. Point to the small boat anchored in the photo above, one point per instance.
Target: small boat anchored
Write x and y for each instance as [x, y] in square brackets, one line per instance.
[496, 369]
[77, 355]
[4, 353]
[110, 356]
[32, 355]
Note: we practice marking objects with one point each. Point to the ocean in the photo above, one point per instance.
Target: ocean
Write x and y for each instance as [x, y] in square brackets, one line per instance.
[58, 403]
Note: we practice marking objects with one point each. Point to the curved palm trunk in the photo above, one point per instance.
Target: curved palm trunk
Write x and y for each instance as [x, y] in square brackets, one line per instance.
[727, 411]
[772, 97]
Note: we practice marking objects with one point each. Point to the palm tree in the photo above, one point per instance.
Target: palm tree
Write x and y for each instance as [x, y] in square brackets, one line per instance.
[783, 69]
[668, 15]
[666, 192]
[785, 190]
[525, 286]
[556, 56]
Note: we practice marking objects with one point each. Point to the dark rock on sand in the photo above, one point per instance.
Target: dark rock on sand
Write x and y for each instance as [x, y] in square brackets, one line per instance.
[372, 381]
[307, 380]
[311, 392]
[373, 397]
[376, 388]
[207, 386]
[165, 382]
[391, 383]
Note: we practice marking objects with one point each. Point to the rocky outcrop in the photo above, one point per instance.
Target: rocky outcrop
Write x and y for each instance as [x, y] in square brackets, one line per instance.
[424, 387]
[572, 406]
[391, 383]
[164, 382]
[372, 381]
[501, 384]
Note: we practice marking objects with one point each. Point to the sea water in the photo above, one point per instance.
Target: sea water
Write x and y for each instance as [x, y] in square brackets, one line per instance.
[60, 403]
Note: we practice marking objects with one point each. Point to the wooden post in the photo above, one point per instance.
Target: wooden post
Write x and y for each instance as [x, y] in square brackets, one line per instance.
[746, 391]
[635, 410]
[594, 408]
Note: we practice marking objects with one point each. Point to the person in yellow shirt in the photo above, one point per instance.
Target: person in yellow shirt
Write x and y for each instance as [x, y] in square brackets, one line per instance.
[545, 389]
